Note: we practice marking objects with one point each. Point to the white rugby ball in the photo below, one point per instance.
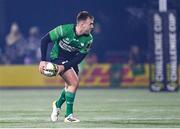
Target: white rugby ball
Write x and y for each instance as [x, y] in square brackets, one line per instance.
[50, 69]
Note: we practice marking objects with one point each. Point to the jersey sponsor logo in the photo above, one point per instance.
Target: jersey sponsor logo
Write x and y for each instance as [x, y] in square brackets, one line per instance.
[82, 44]
[76, 40]
[67, 39]
[64, 45]
[64, 62]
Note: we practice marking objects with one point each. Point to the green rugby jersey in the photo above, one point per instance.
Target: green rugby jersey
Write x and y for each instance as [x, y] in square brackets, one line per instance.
[64, 36]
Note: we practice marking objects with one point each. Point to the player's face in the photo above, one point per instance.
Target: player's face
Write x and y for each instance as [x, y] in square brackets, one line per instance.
[87, 26]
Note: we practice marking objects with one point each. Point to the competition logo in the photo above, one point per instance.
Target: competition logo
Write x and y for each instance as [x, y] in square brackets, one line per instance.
[157, 70]
[163, 42]
[172, 77]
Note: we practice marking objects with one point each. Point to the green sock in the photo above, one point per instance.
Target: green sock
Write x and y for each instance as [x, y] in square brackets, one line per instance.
[69, 102]
[61, 100]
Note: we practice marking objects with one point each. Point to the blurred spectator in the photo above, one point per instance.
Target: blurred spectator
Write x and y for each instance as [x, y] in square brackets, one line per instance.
[91, 59]
[134, 55]
[97, 29]
[1, 48]
[116, 57]
[1, 61]
[15, 45]
[33, 46]
[88, 62]
[136, 61]
[14, 35]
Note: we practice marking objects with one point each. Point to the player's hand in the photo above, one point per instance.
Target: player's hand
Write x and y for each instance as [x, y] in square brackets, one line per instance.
[60, 69]
[42, 64]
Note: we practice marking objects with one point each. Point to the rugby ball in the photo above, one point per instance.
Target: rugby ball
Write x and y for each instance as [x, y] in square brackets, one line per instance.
[50, 69]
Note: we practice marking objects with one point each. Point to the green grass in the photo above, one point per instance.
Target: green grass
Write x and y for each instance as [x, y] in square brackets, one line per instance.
[106, 108]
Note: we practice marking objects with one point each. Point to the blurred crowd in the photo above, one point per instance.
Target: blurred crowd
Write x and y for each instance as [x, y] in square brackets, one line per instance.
[19, 49]
[120, 34]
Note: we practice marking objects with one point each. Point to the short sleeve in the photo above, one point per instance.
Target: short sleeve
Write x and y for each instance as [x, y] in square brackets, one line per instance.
[57, 33]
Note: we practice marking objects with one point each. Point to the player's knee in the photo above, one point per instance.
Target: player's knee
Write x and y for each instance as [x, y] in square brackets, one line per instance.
[75, 83]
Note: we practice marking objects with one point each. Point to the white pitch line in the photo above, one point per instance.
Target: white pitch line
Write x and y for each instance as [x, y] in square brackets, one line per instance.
[91, 128]
[154, 110]
[23, 118]
[10, 110]
[134, 118]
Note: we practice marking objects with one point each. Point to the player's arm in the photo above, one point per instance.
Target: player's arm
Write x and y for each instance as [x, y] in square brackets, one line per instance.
[79, 57]
[75, 61]
[53, 36]
[44, 45]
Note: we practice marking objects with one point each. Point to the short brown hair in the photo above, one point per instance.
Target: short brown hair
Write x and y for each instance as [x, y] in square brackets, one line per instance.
[83, 15]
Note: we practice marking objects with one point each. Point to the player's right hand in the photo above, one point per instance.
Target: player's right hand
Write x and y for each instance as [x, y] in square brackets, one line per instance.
[60, 69]
[42, 64]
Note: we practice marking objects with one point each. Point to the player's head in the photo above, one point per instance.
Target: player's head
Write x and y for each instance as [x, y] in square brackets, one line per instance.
[85, 21]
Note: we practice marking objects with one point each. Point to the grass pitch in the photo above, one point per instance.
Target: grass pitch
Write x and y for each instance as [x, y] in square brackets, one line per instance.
[117, 108]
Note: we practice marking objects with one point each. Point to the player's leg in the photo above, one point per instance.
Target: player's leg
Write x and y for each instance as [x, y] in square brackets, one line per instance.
[62, 98]
[57, 104]
[72, 81]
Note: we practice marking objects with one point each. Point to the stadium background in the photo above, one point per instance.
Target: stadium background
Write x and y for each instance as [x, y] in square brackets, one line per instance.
[118, 59]
[120, 37]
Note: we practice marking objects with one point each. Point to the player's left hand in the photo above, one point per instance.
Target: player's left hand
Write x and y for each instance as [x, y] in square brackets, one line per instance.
[60, 69]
